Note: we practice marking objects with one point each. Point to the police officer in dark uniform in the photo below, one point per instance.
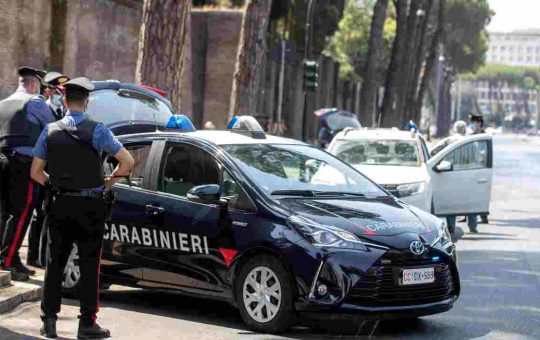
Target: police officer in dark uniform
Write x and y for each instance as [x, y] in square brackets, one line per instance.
[72, 148]
[23, 115]
[52, 82]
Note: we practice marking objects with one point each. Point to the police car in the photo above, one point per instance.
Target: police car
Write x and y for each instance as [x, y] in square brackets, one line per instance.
[274, 226]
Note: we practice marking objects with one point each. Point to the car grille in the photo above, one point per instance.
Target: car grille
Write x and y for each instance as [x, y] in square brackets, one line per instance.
[380, 288]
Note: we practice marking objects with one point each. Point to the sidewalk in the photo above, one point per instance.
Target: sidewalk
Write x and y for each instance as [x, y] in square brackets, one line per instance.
[13, 293]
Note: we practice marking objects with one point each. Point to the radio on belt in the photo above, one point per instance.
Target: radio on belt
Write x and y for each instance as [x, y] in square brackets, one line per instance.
[246, 125]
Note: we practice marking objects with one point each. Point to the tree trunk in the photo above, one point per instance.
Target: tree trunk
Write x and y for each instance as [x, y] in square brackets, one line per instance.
[163, 46]
[431, 61]
[390, 112]
[375, 52]
[58, 35]
[250, 58]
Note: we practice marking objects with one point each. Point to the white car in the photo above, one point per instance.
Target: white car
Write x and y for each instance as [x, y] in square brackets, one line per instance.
[457, 180]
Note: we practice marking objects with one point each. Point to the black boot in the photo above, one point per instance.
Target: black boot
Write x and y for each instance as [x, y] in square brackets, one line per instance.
[21, 268]
[92, 331]
[48, 329]
[16, 275]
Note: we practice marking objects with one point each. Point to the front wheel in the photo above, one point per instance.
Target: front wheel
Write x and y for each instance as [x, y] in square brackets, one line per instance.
[265, 295]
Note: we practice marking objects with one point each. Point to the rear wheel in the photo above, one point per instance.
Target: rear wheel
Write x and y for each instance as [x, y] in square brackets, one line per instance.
[264, 295]
[72, 273]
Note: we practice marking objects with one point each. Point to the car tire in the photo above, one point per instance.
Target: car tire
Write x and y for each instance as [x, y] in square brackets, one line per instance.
[72, 274]
[263, 306]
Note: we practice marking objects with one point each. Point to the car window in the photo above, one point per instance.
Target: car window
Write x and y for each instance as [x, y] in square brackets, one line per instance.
[378, 152]
[110, 107]
[238, 198]
[140, 154]
[298, 167]
[470, 156]
[185, 167]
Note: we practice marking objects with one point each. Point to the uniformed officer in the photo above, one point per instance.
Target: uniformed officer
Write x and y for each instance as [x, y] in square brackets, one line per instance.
[52, 81]
[23, 115]
[72, 150]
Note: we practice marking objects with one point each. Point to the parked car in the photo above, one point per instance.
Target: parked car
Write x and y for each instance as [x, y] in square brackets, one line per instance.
[456, 181]
[274, 226]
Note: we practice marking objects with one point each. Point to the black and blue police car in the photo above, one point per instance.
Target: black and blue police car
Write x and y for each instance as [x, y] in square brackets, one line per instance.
[275, 226]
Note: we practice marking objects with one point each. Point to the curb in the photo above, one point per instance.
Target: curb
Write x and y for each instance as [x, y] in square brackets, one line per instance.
[17, 293]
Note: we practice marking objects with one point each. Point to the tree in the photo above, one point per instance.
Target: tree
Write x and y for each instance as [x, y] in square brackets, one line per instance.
[250, 58]
[163, 44]
[368, 93]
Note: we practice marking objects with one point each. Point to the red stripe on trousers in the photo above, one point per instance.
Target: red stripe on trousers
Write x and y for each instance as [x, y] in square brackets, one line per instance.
[97, 286]
[20, 225]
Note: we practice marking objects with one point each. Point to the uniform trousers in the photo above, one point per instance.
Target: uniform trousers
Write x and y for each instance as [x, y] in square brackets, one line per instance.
[36, 227]
[81, 221]
[17, 197]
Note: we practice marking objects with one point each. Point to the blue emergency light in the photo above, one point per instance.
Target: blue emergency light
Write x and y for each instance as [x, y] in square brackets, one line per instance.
[180, 122]
[246, 125]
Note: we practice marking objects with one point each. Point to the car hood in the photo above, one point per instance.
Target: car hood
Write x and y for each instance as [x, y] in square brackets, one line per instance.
[386, 221]
[388, 174]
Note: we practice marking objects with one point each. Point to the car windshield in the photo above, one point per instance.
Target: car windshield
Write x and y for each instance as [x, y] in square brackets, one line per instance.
[299, 169]
[111, 107]
[377, 152]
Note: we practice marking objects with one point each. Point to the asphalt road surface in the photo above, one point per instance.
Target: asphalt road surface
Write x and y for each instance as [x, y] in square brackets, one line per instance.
[500, 276]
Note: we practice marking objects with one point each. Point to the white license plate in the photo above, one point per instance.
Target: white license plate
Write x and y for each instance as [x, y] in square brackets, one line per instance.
[417, 276]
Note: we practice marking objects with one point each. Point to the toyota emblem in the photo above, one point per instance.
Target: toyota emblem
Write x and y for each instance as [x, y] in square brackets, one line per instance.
[417, 247]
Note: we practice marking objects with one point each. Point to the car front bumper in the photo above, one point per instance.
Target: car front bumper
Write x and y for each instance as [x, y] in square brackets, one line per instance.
[366, 285]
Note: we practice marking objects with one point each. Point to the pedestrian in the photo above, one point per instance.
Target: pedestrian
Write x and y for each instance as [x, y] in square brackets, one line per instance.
[72, 149]
[476, 126]
[54, 81]
[55, 100]
[23, 115]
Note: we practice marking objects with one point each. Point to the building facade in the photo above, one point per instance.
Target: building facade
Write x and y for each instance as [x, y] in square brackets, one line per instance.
[518, 48]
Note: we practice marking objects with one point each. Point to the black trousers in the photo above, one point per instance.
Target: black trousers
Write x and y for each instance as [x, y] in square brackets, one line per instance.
[17, 197]
[81, 221]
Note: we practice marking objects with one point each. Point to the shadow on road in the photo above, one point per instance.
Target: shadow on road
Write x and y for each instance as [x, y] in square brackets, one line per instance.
[524, 223]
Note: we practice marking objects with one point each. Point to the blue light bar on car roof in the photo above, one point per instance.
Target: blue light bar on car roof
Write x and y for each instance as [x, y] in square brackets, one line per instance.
[246, 125]
[180, 122]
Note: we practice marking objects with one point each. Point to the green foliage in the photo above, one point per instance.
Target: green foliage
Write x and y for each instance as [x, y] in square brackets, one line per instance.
[349, 45]
[520, 76]
[465, 39]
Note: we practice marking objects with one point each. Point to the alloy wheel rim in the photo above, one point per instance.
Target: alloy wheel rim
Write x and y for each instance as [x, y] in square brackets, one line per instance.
[72, 272]
[262, 294]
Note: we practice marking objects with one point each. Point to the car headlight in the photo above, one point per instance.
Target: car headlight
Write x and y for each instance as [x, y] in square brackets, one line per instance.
[410, 189]
[326, 236]
[443, 235]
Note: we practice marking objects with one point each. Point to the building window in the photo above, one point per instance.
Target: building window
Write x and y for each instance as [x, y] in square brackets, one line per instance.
[529, 49]
[503, 49]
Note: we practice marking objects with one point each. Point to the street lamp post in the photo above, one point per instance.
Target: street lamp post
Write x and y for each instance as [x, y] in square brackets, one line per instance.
[307, 54]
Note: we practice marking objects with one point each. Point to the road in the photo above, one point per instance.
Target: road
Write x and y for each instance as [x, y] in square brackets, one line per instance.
[500, 276]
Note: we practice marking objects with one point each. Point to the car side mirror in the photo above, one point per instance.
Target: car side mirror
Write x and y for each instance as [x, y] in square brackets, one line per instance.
[444, 166]
[207, 194]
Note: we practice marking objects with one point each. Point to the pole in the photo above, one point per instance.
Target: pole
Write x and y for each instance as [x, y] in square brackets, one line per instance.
[307, 55]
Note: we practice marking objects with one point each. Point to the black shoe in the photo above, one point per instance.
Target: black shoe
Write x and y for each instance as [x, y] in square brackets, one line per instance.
[92, 332]
[474, 231]
[21, 268]
[484, 219]
[15, 274]
[48, 329]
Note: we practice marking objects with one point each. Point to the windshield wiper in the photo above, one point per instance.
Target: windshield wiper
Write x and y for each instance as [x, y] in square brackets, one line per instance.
[338, 193]
[312, 193]
[294, 192]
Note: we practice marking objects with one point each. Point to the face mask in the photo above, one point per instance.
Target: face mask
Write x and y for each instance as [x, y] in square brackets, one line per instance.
[57, 100]
[472, 127]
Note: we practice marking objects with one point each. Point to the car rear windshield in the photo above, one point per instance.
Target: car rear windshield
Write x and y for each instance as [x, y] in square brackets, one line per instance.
[377, 152]
[112, 107]
[283, 168]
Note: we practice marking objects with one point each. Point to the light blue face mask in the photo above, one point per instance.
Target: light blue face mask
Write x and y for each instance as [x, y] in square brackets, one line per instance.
[472, 127]
[57, 100]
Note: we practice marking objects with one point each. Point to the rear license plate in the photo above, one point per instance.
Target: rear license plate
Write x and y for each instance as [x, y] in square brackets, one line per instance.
[415, 276]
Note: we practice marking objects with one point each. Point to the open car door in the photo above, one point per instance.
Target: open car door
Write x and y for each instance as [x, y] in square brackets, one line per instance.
[461, 175]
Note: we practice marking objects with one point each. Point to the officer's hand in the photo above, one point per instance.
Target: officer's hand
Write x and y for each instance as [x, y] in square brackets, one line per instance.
[108, 182]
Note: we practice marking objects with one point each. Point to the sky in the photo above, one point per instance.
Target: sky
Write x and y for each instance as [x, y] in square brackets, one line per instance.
[514, 14]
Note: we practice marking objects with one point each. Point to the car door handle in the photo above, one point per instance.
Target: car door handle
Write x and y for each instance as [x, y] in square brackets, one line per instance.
[153, 210]
[482, 180]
